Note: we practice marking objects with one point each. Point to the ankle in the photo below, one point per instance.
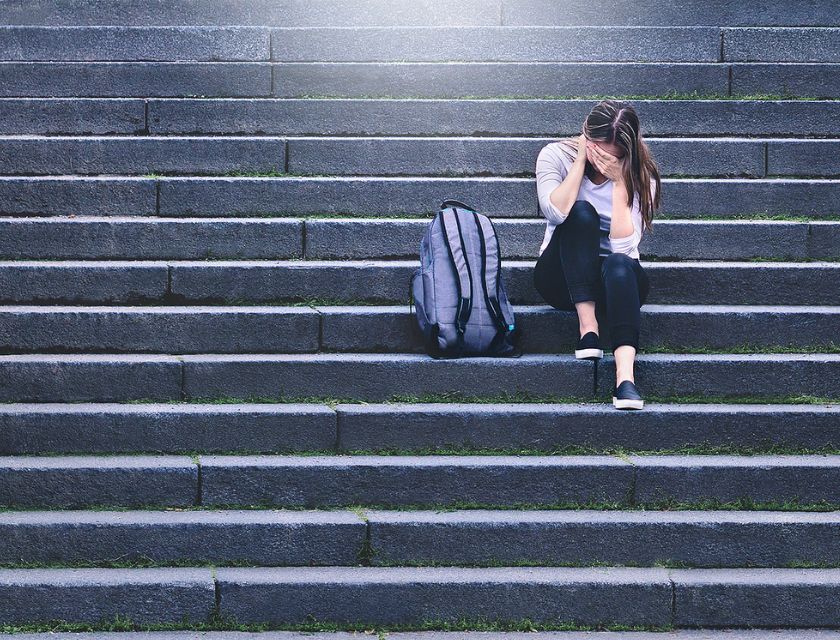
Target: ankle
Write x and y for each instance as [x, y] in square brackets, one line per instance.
[619, 378]
[585, 330]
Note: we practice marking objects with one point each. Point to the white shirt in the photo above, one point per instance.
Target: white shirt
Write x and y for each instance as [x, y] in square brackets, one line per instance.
[551, 169]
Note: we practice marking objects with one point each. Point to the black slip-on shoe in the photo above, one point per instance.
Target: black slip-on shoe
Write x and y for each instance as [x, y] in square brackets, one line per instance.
[627, 396]
[589, 347]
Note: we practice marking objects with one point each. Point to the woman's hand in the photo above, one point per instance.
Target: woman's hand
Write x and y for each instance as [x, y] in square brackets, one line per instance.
[581, 155]
[607, 164]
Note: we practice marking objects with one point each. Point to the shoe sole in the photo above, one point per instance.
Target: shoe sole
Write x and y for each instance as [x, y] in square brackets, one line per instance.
[627, 403]
[588, 354]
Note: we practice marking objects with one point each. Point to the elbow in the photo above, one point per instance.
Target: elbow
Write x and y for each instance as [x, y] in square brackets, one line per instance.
[626, 244]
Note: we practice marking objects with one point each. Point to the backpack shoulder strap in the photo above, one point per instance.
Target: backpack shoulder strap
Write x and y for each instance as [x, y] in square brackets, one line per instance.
[491, 266]
[451, 227]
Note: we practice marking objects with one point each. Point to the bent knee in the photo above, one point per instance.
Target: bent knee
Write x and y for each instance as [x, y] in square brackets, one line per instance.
[583, 214]
[618, 265]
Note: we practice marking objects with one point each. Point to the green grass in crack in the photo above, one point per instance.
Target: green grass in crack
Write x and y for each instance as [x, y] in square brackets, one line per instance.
[688, 449]
[741, 504]
[220, 623]
[503, 398]
[671, 95]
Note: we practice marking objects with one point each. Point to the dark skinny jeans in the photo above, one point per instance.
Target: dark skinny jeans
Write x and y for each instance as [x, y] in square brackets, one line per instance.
[570, 270]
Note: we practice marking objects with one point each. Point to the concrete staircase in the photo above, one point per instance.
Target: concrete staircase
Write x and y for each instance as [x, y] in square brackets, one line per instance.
[217, 414]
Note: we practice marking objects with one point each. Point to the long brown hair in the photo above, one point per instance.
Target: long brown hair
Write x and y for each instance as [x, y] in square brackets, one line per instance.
[616, 122]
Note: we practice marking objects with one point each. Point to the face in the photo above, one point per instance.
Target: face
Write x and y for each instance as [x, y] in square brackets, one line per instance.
[611, 148]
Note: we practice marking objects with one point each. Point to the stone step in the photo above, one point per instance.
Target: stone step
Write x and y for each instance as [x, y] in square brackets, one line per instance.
[683, 598]
[78, 428]
[392, 329]
[367, 44]
[420, 44]
[597, 596]
[376, 377]
[128, 237]
[94, 481]
[218, 196]
[386, 282]
[449, 156]
[137, 238]
[464, 537]
[253, 536]
[423, 481]
[349, 238]
[377, 117]
[144, 596]
[412, 79]
[402, 12]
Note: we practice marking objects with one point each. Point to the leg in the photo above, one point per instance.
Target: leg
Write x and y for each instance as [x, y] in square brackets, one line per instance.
[625, 288]
[579, 246]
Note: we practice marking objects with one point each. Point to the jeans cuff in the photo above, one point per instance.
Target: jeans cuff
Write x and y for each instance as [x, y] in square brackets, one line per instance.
[624, 334]
[583, 293]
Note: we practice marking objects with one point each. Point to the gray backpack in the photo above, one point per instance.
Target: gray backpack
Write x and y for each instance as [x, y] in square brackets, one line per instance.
[461, 304]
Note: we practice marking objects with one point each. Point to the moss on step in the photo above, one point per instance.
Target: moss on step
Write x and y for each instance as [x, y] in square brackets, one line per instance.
[742, 504]
[220, 623]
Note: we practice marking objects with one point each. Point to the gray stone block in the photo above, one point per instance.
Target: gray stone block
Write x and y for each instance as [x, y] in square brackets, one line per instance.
[512, 44]
[129, 156]
[76, 482]
[494, 196]
[120, 44]
[164, 428]
[503, 156]
[381, 376]
[89, 378]
[265, 538]
[548, 427]
[603, 595]
[386, 282]
[316, 481]
[781, 45]
[121, 238]
[38, 596]
[530, 80]
[696, 538]
[736, 327]
[41, 281]
[770, 375]
[135, 79]
[824, 240]
[803, 157]
[800, 79]
[487, 117]
[72, 195]
[354, 195]
[62, 329]
[373, 238]
[778, 478]
[255, 12]
[292, 280]
[72, 116]
[547, 330]
[756, 283]
[414, 156]
[756, 597]
[651, 12]
[725, 240]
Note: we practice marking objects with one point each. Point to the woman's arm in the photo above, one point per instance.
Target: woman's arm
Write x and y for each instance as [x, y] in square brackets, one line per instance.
[557, 185]
[621, 224]
[626, 243]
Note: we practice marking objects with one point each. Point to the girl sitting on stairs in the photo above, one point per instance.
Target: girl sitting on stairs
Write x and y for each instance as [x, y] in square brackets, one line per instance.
[589, 258]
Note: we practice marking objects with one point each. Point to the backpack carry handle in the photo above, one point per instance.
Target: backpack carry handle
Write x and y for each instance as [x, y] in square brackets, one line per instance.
[456, 203]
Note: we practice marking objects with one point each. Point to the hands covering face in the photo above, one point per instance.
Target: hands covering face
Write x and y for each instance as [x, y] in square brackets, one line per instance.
[607, 164]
